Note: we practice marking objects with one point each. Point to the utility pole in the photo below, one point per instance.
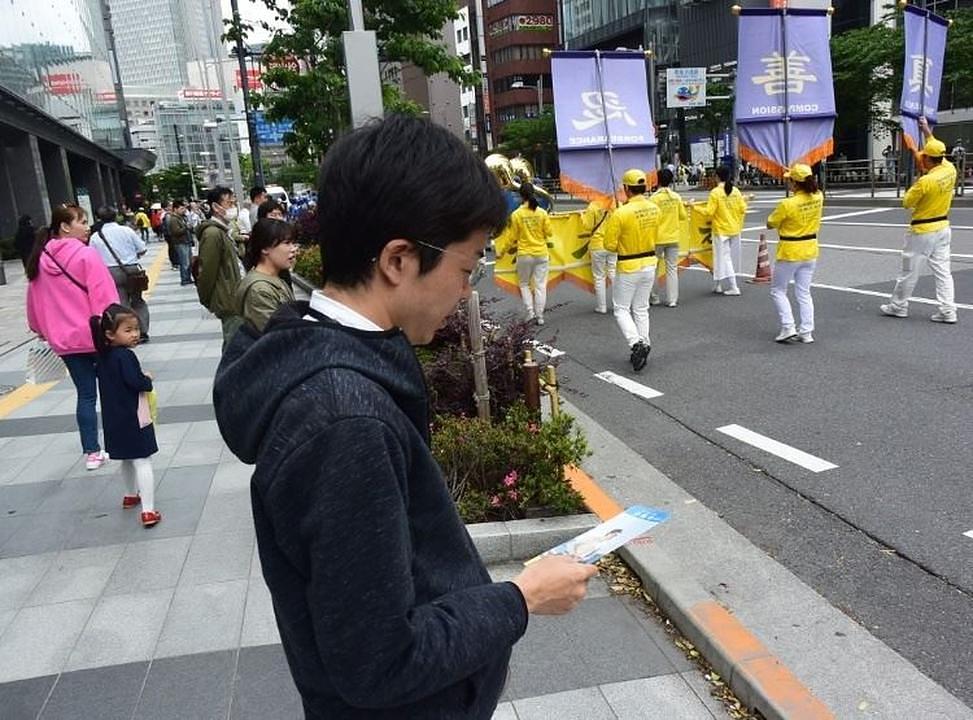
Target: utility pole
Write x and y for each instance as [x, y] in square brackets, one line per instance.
[361, 67]
[258, 169]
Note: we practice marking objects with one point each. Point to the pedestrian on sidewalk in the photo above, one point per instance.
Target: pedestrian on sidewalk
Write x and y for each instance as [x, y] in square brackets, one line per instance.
[385, 610]
[603, 263]
[929, 236]
[220, 268]
[25, 237]
[726, 207]
[530, 233]
[272, 209]
[631, 233]
[271, 252]
[142, 224]
[672, 215]
[129, 433]
[258, 196]
[67, 282]
[182, 240]
[164, 230]
[121, 248]
[798, 220]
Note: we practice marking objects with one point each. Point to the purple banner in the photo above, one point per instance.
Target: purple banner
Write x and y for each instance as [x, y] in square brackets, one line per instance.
[925, 51]
[784, 71]
[586, 118]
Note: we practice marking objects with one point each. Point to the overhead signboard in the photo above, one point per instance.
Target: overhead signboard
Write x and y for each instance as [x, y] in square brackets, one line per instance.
[685, 87]
[270, 132]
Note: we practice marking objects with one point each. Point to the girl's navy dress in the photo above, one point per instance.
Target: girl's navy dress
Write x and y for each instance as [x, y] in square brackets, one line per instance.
[120, 380]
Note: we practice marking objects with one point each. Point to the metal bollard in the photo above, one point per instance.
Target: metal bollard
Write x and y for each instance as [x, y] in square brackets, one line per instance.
[532, 382]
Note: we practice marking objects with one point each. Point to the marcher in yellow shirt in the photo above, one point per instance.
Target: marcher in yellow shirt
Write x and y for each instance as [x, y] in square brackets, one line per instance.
[142, 223]
[530, 231]
[631, 232]
[929, 235]
[797, 219]
[672, 215]
[726, 207]
[594, 220]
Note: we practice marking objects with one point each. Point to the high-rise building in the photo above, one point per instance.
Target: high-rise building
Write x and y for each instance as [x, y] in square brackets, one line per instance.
[61, 133]
[516, 35]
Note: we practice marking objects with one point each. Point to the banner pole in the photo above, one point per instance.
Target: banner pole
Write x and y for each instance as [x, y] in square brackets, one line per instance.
[608, 136]
[787, 102]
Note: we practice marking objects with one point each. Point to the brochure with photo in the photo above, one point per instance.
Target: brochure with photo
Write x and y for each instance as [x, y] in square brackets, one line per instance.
[592, 545]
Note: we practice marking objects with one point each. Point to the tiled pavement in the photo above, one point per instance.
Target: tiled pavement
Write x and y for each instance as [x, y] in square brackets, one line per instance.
[102, 619]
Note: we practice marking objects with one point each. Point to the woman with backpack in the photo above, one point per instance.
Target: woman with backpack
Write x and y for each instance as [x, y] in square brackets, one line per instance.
[68, 283]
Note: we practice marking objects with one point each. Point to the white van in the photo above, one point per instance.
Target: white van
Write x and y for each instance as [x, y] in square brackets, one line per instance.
[279, 194]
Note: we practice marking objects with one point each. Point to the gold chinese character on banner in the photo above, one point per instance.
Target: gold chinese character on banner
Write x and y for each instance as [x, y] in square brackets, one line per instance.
[795, 74]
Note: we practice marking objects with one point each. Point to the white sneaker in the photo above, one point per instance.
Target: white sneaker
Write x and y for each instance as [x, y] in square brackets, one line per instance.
[540, 320]
[671, 303]
[942, 318]
[717, 289]
[654, 300]
[601, 311]
[785, 334]
[893, 311]
[732, 291]
[95, 460]
[805, 338]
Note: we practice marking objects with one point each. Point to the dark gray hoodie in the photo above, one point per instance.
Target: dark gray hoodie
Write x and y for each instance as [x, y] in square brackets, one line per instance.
[384, 607]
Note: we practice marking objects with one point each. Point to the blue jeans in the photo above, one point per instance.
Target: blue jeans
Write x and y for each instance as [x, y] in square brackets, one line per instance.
[83, 370]
[184, 251]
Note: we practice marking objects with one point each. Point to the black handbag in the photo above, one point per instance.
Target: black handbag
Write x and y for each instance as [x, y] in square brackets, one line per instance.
[136, 279]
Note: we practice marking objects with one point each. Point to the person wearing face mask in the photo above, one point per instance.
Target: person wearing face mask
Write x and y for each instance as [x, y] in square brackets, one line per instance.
[220, 269]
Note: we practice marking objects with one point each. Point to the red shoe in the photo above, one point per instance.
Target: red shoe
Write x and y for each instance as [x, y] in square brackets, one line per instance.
[151, 518]
[130, 501]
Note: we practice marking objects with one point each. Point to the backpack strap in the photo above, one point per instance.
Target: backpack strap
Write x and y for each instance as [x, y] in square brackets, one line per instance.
[65, 271]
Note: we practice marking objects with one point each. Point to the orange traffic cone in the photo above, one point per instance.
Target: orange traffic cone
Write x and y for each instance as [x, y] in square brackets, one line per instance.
[763, 263]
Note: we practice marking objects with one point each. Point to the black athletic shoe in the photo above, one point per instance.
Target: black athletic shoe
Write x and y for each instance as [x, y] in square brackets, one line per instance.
[640, 355]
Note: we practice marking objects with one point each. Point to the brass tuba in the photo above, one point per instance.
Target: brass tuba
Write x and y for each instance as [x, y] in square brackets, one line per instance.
[510, 173]
[501, 168]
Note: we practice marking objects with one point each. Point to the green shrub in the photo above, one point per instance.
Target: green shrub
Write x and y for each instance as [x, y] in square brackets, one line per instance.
[511, 468]
[308, 265]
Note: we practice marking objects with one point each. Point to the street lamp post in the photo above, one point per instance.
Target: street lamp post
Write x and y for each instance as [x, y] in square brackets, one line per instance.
[258, 170]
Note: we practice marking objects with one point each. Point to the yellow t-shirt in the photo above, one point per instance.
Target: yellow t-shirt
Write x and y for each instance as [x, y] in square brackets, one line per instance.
[593, 220]
[673, 215]
[798, 216]
[632, 230]
[930, 197]
[726, 211]
[141, 220]
[530, 230]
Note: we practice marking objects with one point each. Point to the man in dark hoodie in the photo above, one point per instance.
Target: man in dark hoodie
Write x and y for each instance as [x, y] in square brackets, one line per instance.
[385, 610]
[220, 269]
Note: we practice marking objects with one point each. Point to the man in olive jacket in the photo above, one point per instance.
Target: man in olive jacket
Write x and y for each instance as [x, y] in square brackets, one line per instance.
[220, 269]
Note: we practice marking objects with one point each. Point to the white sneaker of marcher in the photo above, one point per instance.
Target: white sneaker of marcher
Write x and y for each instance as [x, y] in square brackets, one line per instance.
[893, 311]
[785, 334]
[732, 291]
[943, 318]
[805, 338]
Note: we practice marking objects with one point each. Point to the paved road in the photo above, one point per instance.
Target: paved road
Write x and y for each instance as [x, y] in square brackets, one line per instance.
[888, 401]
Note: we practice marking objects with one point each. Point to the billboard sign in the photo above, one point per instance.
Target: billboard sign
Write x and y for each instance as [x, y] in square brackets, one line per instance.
[685, 87]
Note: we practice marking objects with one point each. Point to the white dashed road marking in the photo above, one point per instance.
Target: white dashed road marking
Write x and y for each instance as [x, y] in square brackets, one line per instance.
[969, 534]
[791, 454]
[637, 389]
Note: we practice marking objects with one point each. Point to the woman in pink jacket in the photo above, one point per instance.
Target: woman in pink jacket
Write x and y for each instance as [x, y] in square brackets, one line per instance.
[68, 283]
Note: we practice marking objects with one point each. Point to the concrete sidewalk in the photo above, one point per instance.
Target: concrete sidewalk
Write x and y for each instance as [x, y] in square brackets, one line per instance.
[100, 618]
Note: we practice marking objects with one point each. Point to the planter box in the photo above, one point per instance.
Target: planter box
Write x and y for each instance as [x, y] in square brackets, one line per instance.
[517, 540]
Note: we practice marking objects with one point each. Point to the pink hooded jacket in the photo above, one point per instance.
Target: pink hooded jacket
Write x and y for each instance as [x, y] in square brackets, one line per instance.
[60, 311]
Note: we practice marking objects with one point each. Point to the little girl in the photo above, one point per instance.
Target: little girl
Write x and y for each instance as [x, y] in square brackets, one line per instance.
[120, 381]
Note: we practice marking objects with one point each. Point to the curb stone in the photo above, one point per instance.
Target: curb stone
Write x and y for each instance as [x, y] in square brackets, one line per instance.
[514, 540]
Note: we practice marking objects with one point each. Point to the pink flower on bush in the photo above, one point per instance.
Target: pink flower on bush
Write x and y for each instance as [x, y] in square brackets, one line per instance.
[513, 495]
[510, 479]
[495, 501]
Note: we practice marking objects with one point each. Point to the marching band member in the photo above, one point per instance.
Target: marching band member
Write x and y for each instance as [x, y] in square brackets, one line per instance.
[726, 207]
[594, 220]
[530, 231]
[797, 219]
[631, 233]
[673, 214]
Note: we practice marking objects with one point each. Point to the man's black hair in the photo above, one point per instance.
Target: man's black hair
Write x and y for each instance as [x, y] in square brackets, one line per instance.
[637, 189]
[267, 207]
[106, 214]
[434, 190]
[256, 191]
[216, 195]
[176, 204]
[665, 177]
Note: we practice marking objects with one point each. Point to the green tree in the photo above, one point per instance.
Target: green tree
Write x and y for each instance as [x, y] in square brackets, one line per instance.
[715, 118]
[868, 66]
[170, 184]
[246, 168]
[533, 138]
[305, 76]
[287, 175]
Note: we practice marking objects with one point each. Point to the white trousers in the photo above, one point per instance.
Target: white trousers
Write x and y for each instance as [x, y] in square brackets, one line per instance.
[140, 480]
[602, 267]
[801, 273]
[631, 293]
[726, 260]
[670, 254]
[532, 273]
[933, 247]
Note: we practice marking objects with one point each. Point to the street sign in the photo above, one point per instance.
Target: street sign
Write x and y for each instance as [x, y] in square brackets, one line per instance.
[685, 87]
[270, 132]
